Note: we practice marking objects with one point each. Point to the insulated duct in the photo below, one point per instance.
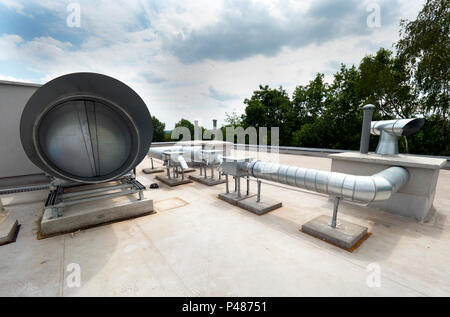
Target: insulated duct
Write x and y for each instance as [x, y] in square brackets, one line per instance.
[364, 189]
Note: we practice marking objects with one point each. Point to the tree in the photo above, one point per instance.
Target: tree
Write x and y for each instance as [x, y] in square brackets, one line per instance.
[269, 108]
[309, 101]
[425, 44]
[186, 124]
[233, 119]
[158, 130]
[385, 82]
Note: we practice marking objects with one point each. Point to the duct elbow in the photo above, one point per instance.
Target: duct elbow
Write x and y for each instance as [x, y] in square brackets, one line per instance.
[364, 189]
[381, 186]
[389, 181]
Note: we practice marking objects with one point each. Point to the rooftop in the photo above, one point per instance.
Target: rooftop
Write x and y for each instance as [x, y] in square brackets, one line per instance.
[198, 245]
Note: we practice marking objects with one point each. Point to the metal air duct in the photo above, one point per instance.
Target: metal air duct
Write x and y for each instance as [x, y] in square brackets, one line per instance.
[391, 130]
[365, 189]
[86, 128]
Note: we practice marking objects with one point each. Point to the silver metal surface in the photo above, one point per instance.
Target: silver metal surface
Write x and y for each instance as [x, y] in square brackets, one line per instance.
[24, 189]
[365, 189]
[365, 131]
[397, 127]
[86, 128]
[86, 139]
[391, 130]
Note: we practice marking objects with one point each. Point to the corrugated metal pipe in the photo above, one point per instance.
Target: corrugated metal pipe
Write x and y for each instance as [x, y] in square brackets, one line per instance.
[364, 189]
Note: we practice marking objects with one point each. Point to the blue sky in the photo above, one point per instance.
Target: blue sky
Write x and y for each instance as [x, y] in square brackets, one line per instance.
[194, 59]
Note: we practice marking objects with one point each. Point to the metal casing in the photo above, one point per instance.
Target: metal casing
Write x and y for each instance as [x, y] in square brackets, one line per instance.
[86, 128]
[234, 166]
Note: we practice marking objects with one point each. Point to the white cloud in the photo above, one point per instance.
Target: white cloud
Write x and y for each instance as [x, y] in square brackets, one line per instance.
[128, 40]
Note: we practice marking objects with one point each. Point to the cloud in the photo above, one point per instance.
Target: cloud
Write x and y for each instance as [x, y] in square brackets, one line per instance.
[193, 58]
[247, 28]
[220, 95]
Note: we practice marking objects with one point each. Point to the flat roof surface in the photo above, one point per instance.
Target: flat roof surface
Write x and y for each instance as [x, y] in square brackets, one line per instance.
[207, 247]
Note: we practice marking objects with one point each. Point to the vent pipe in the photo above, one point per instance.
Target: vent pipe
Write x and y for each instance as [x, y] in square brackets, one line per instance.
[365, 132]
[215, 129]
[196, 131]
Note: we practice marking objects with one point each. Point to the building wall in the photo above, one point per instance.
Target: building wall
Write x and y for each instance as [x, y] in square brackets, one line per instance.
[13, 160]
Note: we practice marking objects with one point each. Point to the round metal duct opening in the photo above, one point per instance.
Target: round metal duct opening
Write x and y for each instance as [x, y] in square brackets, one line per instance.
[86, 128]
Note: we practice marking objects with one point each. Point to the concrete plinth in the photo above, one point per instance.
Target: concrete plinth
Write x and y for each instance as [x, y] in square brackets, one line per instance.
[346, 234]
[415, 199]
[152, 170]
[207, 181]
[91, 214]
[173, 181]
[263, 206]
[233, 198]
[8, 227]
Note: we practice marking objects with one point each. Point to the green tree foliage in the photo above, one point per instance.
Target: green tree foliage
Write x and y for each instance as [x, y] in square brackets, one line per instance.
[187, 124]
[425, 44]
[158, 130]
[268, 108]
[385, 82]
[411, 83]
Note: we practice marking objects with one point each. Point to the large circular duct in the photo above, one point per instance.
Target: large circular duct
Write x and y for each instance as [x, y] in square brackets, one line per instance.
[86, 127]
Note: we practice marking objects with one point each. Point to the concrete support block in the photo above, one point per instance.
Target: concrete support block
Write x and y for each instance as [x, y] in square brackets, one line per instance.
[233, 197]
[8, 227]
[207, 181]
[152, 170]
[173, 181]
[263, 206]
[94, 213]
[346, 234]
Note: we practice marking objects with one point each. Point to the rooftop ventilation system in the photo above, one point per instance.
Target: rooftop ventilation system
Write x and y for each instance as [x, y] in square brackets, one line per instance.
[388, 130]
[86, 128]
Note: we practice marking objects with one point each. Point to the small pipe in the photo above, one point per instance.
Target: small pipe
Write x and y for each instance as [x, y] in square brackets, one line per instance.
[215, 129]
[95, 190]
[238, 180]
[88, 199]
[248, 185]
[226, 178]
[365, 131]
[335, 211]
[258, 198]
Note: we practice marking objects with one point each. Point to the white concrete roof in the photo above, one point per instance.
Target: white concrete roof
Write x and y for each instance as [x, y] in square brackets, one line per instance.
[207, 247]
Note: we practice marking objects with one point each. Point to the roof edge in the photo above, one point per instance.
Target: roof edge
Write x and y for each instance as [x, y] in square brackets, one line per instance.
[18, 83]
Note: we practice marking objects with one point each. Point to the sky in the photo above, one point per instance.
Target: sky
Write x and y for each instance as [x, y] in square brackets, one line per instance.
[195, 59]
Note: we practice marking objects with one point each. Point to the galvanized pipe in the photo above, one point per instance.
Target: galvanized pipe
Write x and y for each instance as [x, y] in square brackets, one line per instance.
[95, 190]
[365, 189]
[365, 131]
[94, 198]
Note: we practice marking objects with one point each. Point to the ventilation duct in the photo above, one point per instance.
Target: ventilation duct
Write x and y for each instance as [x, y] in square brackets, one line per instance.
[365, 189]
[86, 127]
[390, 130]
